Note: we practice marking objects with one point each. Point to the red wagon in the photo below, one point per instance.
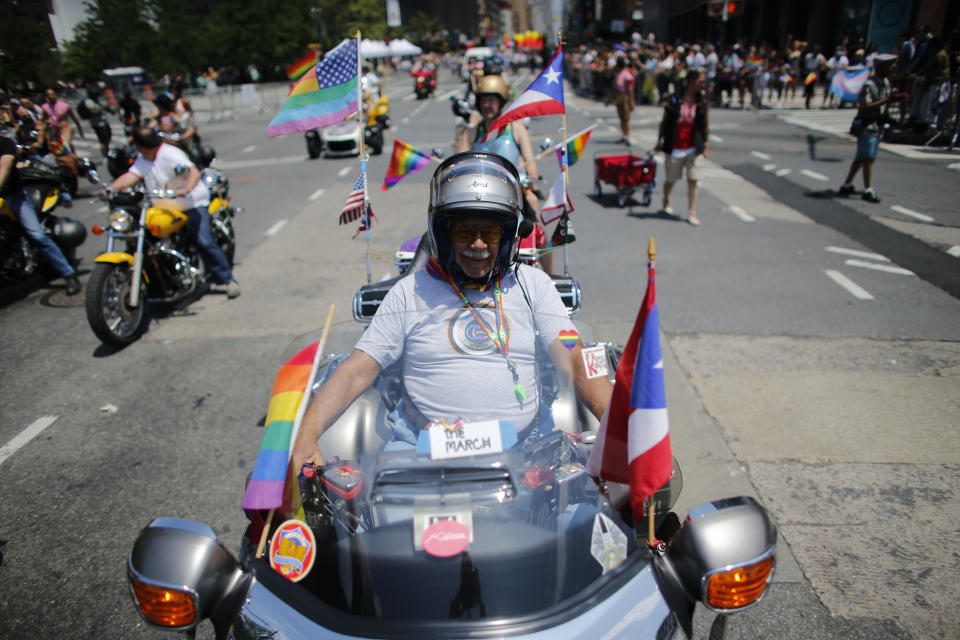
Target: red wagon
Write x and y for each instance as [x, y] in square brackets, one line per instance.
[627, 173]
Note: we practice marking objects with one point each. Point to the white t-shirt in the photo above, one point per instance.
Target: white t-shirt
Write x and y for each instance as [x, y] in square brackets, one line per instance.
[451, 368]
[160, 173]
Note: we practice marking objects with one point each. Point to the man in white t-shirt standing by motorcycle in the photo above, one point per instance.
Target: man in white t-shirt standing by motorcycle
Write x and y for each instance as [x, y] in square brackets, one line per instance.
[465, 328]
[164, 166]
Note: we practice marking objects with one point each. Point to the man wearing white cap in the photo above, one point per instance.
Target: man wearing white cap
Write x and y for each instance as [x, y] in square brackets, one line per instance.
[874, 98]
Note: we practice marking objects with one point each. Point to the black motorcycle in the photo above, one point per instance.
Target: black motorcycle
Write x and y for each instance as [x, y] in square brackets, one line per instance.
[19, 258]
[119, 159]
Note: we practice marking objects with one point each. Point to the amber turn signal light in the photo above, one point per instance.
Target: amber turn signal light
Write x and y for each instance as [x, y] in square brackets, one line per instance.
[740, 587]
[164, 607]
[97, 229]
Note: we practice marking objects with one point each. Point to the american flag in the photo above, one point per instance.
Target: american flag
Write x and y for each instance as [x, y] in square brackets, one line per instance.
[353, 209]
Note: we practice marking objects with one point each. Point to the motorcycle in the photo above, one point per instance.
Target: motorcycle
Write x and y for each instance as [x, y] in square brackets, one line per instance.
[483, 528]
[41, 180]
[148, 258]
[424, 83]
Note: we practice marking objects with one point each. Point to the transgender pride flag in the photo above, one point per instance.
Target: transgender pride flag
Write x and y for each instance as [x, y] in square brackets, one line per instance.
[848, 82]
[633, 444]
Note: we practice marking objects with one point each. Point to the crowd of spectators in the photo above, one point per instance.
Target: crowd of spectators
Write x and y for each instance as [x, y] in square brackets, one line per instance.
[799, 74]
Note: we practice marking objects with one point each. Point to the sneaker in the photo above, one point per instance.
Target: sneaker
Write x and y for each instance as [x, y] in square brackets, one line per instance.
[694, 220]
[667, 210]
[870, 196]
[845, 190]
[233, 289]
[65, 200]
[73, 286]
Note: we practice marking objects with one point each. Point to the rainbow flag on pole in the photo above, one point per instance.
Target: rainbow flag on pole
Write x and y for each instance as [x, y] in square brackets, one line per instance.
[404, 161]
[266, 488]
[575, 145]
[302, 65]
[325, 96]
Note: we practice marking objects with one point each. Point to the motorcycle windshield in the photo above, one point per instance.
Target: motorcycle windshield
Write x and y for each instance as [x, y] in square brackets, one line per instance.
[455, 490]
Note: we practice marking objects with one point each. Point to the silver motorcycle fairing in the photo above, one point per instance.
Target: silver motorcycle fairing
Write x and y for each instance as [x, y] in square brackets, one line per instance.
[635, 608]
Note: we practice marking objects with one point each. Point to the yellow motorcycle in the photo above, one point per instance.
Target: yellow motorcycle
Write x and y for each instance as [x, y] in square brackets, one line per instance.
[19, 258]
[149, 258]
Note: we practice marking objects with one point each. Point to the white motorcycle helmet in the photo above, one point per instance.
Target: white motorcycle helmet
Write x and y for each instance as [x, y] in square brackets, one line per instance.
[475, 183]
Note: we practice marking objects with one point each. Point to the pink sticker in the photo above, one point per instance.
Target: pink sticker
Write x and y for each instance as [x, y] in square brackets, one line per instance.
[445, 538]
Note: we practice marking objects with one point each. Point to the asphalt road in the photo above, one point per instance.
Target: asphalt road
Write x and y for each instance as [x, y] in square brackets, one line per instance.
[812, 360]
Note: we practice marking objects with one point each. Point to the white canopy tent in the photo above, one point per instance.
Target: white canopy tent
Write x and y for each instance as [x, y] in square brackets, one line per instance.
[378, 49]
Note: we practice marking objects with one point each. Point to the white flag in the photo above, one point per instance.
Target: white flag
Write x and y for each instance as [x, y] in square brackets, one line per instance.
[556, 205]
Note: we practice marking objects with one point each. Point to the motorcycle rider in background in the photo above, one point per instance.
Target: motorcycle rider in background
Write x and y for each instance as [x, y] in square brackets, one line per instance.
[58, 112]
[130, 110]
[12, 192]
[513, 143]
[159, 166]
[473, 236]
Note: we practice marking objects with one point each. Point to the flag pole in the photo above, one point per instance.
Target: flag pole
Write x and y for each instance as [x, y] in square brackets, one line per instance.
[363, 157]
[564, 162]
[651, 506]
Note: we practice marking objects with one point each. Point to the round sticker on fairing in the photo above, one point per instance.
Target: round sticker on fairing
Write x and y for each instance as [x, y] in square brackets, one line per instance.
[292, 550]
[445, 538]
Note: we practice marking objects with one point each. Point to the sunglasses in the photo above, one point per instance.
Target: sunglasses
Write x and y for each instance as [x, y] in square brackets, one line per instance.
[490, 234]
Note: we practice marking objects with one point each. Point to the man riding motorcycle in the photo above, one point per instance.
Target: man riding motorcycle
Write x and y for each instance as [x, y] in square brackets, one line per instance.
[158, 165]
[12, 191]
[513, 143]
[483, 370]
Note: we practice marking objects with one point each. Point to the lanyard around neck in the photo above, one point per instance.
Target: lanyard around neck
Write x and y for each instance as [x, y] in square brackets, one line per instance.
[499, 337]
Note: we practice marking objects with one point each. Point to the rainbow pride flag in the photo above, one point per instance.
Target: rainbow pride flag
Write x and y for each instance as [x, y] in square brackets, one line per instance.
[266, 488]
[575, 145]
[755, 61]
[302, 65]
[326, 96]
[404, 161]
[811, 78]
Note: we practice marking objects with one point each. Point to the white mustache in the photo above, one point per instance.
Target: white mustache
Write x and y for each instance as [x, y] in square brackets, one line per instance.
[475, 254]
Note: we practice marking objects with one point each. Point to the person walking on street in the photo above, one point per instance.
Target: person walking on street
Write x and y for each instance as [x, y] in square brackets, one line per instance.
[874, 97]
[683, 138]
[623, 96]
[58, 113]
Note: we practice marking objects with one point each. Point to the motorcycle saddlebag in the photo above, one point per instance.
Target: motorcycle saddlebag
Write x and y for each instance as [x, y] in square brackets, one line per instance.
[34, 171]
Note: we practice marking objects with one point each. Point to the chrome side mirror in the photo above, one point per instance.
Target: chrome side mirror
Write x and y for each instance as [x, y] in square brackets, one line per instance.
[179, 574]
[723, 555]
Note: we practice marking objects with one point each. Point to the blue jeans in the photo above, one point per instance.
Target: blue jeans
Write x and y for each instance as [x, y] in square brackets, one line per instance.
[27, 217]
[198, 222]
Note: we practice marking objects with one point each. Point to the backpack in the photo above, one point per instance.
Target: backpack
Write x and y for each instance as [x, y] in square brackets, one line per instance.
[82, 110]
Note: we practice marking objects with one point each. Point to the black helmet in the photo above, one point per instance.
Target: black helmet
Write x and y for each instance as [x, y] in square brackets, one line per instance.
[69, 232]
[475, 183]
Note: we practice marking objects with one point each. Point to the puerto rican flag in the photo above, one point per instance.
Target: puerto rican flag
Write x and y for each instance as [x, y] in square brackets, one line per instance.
[543, 97]
[633, 444]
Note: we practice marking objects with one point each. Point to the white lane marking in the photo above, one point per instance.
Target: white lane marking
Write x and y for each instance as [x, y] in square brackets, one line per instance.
[447, 95]
[783, 172]
[913, 214]
[249, 149]
[955, 166]
[858, 254]
[279, 224]
[852, 287]
[103, 209]
[262, 162]
[316, 194]
[760, 154]
[410, 97]
[740, 213]
[716, 139]
[344, 171]
[815, 175]
[26, 436]
[405, 120]
[954, 251]
[886, 268]
[769, 167]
